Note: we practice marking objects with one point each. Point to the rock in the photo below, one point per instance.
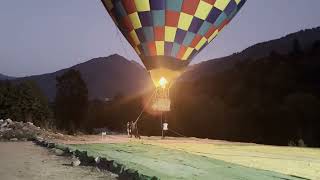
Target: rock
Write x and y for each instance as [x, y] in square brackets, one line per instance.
[82, 155]
[9, 121]
[25, 128]
[97, 169]
[75, 162]
[16, 125]
[39, 139]
[30, 123]
[5, 129]
[58, 152]
[14, 139]
[1, 121]
[129, 174]
[4, 124]
[59, 134]
[97, 160]
[51, 145]
[114, 175]
[19, 133]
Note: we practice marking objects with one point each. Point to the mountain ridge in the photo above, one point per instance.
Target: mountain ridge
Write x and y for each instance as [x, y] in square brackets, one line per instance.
[105, 77]
[282, 45]
[5, 77]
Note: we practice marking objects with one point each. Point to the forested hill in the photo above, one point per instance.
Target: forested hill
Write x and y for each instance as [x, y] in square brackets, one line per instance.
[270, 100]
[282, 46]
[4, 77]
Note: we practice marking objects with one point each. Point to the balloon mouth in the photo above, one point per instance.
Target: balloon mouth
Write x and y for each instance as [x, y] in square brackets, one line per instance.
[164, 62]
[163, 77]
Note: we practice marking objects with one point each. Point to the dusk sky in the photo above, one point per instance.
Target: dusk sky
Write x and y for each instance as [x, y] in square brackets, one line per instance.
[42, 36]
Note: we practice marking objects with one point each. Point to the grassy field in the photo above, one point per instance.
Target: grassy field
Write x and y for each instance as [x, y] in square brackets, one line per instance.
[206, 159]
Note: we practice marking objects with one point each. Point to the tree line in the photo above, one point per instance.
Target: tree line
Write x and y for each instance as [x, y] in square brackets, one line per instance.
[25, 102]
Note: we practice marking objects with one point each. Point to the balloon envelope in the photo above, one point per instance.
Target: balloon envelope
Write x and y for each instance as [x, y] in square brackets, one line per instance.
[168, 34]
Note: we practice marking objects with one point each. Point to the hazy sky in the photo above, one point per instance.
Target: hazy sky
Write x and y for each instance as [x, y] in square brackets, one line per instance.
[40, 36]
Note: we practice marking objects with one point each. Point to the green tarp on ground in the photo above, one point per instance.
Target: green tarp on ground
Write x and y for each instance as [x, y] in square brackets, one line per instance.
[165, 163]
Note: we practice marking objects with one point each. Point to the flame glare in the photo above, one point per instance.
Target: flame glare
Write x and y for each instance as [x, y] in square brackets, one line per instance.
[163, 82]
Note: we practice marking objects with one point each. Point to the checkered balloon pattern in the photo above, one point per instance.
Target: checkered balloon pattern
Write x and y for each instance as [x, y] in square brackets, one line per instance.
[178, 29]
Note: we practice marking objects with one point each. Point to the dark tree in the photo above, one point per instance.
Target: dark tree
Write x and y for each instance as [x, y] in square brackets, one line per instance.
[296, 49]
[24, 102]
[316, 45]
[71, 103]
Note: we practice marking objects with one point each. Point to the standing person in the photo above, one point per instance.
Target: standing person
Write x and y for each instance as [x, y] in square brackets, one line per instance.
[129, 129]
[135, 130]
[164, 129]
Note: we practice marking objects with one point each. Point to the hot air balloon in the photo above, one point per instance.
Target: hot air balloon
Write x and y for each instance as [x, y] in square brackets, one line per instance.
[168, 34]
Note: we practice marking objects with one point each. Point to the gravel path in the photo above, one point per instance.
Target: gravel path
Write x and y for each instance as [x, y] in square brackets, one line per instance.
[24, 160]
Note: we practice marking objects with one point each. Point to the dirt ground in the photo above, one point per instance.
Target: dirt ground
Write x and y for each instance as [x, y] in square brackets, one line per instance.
[24, 161]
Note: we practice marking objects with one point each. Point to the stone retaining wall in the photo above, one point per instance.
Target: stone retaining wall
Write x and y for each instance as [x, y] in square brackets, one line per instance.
[100, 162]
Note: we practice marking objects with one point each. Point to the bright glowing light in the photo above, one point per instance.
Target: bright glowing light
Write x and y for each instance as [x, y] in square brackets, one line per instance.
[163, 82]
